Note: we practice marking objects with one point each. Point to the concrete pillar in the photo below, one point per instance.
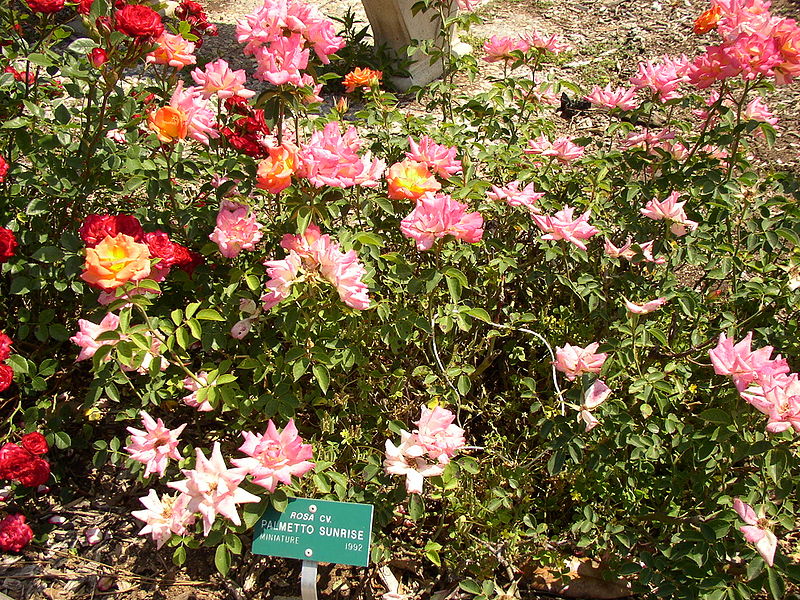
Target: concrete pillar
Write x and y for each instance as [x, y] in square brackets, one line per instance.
[394, 24]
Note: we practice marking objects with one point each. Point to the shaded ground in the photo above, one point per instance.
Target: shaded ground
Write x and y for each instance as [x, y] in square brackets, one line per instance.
[609, 36]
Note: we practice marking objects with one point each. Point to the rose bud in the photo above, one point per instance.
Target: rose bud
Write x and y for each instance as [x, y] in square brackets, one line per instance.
[98, 57]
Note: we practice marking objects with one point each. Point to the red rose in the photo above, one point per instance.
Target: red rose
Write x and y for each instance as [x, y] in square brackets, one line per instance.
[7, 244]
[84, 7]
[6, 377]
[34, 472]
[46, 6]
[245, 144]
[12, 458]
[95, 228]
[189, 8]
[15, 533]
[191, 260]
[5, 346]
[139, 21]
[162, 247]
[3, 169]
[34, 443]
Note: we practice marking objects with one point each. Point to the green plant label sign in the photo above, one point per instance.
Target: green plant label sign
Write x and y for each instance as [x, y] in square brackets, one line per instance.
[318, 530]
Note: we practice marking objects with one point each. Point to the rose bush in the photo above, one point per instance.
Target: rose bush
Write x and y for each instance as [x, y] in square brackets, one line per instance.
[548, 307]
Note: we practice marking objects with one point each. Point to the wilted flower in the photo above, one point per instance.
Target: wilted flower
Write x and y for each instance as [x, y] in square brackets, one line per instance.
[406, 459]
[574, 360]
[643, 309]
[757, 531]
[164, 516]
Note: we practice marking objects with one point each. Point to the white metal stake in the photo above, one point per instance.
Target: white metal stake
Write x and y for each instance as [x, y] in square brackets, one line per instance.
[308, 580]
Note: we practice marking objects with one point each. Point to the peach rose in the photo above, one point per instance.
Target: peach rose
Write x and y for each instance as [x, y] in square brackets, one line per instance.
[275, 173]
[115, 261]
[361, 78]
[707, 21]
[410, 180]
[169, 124]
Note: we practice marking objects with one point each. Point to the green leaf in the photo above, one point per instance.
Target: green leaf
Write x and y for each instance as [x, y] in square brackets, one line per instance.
[179, 556]
[776, 585]
[62, 440]
[233, 543]
[82, 46]
[222, 559]
[279, 500]
[195, 328]
[18, 363]
[209, 314]
[470, 586]
[322, 376]
[416, 507]
[716, 415]
[479, 313]
[252, 512]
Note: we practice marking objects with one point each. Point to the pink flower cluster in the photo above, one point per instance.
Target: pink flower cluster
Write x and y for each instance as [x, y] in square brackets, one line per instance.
[499, 48]
[671, 210]
[754, 44]
[608, 97]
[436, 216]
[212, 489]
[513, 196]
[764, 382]
[200, 118]
[424, 452]
[562, 148]
[438, 158]
[236, 229]
[86, 339]
[281, 34]
[218, 78]
[331, 159]
[317, 256]
[663, 78]
[563, 226]
[155, 445]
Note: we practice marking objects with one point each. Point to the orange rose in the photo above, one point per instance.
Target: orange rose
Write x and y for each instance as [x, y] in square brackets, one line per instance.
[361, 78]
[275, 173]
[410, 180]
[169, 124]
[115, 261]
[707, 21]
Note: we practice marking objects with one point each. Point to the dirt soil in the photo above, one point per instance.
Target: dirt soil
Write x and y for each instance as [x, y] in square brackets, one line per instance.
[609, 37]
